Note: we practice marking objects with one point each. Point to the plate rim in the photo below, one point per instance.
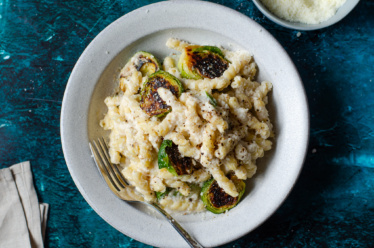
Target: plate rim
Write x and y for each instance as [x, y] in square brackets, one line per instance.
[64, 119]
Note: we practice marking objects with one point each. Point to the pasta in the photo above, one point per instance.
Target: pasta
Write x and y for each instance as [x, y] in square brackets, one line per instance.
[221, 138]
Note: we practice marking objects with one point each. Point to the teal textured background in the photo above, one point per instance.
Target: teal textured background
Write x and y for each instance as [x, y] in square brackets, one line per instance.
[332, 204]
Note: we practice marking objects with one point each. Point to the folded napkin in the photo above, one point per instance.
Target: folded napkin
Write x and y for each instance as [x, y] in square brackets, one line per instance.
[22, 218]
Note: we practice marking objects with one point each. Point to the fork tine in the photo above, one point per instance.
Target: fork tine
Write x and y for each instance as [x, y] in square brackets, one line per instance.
[99, 163]
[104, 144]
[105, 158]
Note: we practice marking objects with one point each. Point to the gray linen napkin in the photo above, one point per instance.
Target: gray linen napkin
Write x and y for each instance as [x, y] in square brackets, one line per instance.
[22, 218]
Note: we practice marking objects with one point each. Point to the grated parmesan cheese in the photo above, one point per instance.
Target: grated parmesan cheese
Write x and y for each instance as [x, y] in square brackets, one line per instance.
[305, 11]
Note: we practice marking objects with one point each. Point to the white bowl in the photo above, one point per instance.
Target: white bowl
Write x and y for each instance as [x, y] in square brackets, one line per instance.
[340, 14]
[94, 77]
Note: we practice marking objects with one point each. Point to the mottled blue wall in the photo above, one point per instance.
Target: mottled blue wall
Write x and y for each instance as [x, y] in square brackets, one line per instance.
[332, 203]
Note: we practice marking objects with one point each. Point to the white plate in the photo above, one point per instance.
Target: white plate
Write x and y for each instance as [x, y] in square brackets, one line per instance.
[147, 28]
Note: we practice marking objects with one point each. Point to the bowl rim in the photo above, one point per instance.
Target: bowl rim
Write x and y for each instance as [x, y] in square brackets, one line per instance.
[303, 26]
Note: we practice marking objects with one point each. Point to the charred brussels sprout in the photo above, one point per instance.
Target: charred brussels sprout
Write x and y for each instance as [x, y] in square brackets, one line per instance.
[197, 62]
[146, 63]
[150, 101]
[216, 200]
[170, 158]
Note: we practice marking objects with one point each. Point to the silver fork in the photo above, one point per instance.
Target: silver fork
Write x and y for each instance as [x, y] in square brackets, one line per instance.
[117, 183]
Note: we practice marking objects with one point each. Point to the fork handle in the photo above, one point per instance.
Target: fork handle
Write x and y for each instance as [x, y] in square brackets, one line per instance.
[191, 241]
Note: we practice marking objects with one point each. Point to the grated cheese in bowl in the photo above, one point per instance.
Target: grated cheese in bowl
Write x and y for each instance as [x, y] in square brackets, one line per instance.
[304, 11]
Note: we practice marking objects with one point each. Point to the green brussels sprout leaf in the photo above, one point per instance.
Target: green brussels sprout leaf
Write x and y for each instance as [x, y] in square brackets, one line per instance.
[161, 195]
[146, 63]
[212, 100]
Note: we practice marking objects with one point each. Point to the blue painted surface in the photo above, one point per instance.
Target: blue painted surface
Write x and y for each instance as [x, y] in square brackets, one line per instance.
[332, 204]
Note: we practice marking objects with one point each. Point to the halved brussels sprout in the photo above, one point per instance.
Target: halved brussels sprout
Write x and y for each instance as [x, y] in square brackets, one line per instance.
[216, 200]
[170, 158]
[197, 62]
[150, 101]
[146, 63]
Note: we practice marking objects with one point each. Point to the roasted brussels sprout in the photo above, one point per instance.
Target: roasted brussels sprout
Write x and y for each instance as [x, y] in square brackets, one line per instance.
[170, 158]
[197, 62]
[146, 63]
[216, 200]
[150, 101]
[212, 100]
